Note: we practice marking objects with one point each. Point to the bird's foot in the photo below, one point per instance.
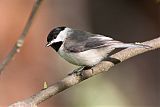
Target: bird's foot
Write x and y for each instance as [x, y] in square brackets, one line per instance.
[77, 71]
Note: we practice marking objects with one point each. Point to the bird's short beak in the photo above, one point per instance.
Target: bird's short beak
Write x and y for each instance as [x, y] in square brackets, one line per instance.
[49, 44]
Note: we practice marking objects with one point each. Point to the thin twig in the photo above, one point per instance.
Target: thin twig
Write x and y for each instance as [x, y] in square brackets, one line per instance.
[20, 41]
[74, 79]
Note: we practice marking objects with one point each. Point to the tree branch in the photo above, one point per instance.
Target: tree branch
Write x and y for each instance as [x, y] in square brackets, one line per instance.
[74, 79]
[20, 41]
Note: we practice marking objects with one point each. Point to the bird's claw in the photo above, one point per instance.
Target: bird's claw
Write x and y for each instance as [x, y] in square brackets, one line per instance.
[77, 71]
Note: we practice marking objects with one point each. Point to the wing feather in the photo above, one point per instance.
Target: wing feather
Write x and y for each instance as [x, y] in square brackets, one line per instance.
[92, 42]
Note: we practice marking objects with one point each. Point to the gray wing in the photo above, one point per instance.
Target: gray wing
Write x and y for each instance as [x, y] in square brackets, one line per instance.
[83, 41]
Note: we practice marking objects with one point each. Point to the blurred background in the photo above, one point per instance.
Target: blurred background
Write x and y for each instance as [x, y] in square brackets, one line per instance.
[133, 83]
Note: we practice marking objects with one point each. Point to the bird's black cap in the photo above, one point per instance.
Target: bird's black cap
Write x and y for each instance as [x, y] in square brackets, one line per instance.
[54, 32]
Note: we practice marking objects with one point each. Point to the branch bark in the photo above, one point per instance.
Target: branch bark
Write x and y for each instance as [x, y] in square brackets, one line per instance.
[20, 41]
[74, 78]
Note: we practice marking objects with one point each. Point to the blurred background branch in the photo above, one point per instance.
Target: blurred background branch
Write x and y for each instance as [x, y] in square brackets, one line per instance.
[20, 41]
[74, 79]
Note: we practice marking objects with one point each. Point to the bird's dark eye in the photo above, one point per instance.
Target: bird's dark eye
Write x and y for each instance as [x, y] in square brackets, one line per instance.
[54, 33]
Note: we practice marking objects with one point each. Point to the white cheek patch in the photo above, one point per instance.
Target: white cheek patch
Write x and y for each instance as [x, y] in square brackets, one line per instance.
[58, 39]
[62, 35]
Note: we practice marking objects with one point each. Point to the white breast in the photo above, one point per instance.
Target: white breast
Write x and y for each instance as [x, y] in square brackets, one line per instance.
[85, 58]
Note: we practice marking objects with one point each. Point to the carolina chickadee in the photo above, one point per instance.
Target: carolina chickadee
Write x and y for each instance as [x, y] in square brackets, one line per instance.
[83, 48]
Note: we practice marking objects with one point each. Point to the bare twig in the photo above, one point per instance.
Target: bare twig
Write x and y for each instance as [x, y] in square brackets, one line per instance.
[20, 41]
[74, 79]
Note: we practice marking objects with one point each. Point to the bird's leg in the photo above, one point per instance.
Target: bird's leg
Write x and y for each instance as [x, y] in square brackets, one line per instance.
[77, 71]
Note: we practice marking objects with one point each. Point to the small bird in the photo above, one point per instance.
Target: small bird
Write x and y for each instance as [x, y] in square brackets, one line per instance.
[84, 48]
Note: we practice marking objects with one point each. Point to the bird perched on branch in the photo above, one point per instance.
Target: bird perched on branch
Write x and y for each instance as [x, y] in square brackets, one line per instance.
[84, 48]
